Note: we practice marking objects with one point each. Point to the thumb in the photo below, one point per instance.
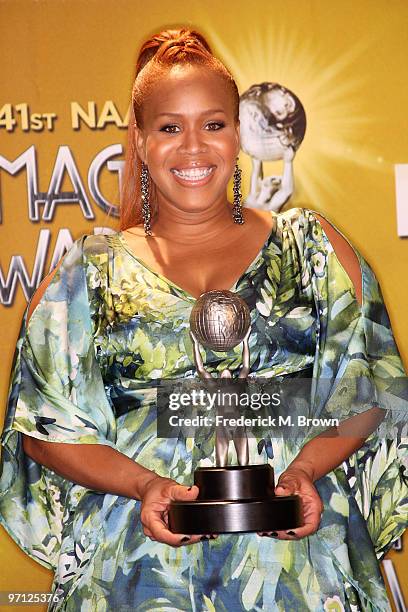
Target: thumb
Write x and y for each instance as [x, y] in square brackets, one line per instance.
[181, 493]
[285, 488]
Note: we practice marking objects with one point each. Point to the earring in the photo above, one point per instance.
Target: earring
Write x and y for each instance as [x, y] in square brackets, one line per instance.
[144, 190]
[237, 208]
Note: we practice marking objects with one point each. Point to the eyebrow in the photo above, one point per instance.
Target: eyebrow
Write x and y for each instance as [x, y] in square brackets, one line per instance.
[207, 112]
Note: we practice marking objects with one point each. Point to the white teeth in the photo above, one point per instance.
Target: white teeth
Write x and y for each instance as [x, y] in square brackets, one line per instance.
[193, 174]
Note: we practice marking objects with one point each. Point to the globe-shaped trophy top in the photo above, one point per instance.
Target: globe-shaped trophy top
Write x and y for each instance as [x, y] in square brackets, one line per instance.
[272, 119]
[220, 320]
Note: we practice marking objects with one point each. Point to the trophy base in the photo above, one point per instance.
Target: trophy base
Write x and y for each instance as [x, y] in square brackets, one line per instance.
[210, 516]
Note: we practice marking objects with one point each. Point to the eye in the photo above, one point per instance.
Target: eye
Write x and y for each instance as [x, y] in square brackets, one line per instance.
[213, 126]
[170, 128]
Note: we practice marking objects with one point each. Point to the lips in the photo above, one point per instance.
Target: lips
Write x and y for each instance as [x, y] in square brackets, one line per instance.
[193, 175]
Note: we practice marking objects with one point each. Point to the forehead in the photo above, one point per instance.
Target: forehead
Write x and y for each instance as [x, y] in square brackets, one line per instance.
[188, 90]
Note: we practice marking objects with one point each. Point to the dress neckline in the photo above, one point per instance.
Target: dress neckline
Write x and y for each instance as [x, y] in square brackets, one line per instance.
[187, 295]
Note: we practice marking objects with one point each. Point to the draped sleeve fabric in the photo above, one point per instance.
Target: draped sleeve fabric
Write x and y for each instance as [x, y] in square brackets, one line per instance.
[357, 367]
[56, 395]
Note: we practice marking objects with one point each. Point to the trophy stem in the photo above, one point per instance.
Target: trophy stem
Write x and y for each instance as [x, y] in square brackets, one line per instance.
[221, 450]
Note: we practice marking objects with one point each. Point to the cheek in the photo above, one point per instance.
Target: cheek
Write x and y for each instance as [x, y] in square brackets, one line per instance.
[228, 148]
[157, 152]
[228, 152]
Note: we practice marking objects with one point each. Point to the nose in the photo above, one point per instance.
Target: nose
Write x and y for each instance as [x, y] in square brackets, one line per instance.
[193, 141]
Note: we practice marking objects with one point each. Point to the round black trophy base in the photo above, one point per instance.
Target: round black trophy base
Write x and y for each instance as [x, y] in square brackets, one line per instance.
[209, 516]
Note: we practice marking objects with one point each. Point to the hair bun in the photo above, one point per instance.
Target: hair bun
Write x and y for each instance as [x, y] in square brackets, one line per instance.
[168, 44]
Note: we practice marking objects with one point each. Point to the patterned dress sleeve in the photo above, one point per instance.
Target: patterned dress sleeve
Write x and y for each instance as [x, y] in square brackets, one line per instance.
[56, 394]
[359, 367]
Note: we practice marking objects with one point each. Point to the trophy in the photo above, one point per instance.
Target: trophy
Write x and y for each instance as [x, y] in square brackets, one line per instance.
[232, 498]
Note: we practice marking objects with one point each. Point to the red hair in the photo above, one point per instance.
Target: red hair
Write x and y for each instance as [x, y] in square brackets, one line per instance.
[157, 55]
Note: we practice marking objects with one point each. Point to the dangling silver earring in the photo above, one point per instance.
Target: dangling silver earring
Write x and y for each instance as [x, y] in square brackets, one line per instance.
[237, 208]
[144, 190]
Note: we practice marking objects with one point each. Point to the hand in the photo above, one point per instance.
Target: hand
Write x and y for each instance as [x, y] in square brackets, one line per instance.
[156, 497]
[297, 481]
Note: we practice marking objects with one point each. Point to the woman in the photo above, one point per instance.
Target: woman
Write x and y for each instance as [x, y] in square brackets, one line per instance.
[86, 482]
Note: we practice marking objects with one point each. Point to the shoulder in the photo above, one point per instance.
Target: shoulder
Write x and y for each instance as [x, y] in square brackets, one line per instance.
[311, 227]
[36, 298]
[97, 244]
[88, 251]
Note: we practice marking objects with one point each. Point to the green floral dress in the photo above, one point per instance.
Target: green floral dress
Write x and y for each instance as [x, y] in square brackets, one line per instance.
[86, 371]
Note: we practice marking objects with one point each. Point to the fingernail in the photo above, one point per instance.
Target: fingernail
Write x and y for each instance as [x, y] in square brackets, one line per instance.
[204, 537]
[185, 539]
[291, 533]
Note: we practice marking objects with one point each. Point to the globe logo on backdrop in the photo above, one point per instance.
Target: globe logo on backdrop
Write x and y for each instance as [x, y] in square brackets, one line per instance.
[273, 125]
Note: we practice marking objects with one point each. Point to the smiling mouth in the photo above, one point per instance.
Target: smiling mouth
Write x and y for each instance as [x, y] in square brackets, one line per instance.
[193, 174]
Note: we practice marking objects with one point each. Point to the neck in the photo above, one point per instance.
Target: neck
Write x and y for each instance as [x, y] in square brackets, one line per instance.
[192, 227]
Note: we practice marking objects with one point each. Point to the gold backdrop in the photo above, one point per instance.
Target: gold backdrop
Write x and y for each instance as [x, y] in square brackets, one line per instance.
[66, 75]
